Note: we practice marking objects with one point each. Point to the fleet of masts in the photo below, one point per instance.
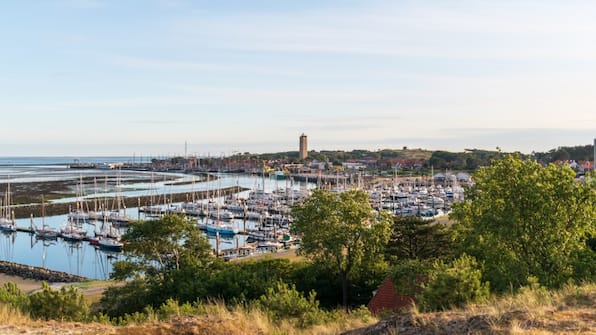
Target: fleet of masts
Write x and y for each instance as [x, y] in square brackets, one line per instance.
[263, 216]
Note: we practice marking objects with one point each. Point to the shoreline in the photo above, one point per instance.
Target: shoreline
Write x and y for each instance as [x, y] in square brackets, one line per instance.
[34, 273]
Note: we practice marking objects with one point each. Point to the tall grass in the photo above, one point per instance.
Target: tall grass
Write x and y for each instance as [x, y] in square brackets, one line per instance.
[216, 318]
[13, 316]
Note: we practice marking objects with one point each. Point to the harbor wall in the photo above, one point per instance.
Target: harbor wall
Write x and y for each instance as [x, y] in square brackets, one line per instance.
[36, 273]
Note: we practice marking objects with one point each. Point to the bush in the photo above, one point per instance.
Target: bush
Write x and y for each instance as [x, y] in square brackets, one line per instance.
[64, 304]
[172, 308]
[12, 296]
[285, 302]
[120, 300]
[452, 285]
[408, 276]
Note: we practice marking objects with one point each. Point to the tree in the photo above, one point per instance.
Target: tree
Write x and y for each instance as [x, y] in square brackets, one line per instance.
[415, 238]
[155, 247]
[168, 258]
[341, 231]
[521, 220]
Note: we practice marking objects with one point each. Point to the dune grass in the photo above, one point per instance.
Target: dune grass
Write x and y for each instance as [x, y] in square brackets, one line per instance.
[532, 311]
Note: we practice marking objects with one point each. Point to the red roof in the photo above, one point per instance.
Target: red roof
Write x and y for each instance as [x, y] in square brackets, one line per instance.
[387, 298]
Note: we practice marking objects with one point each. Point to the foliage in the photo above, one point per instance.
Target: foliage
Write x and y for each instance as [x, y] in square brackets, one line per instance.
[171, 308]
[521, 219]
[166, 258]
[468, 160]
[127, 299]
[408, 276]
[416, 238]
[284, 302]
[158, 246]
[576, 153]
[342, 231]
[64, 304]
[241, 282]
[12, 296]
[453, 285]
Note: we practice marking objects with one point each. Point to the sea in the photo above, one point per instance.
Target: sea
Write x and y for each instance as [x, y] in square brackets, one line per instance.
[84, 259]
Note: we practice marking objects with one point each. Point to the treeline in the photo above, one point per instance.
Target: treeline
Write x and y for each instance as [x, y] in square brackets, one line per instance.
[576, 153]
[338, 156]
[469, 159]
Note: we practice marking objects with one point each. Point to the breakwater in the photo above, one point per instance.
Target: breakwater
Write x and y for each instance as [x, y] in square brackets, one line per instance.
[36, 273]
[25, 211]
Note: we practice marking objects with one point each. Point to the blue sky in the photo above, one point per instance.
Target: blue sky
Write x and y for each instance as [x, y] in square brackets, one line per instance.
[94, 77]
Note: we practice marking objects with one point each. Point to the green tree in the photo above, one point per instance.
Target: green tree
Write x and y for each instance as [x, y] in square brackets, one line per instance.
[167, 258]
[521, 219]
[342, 231]
[415, 238]
[155, 247]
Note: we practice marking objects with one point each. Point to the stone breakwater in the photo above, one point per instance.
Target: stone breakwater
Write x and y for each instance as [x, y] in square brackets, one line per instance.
[24, 211]
[35, 273]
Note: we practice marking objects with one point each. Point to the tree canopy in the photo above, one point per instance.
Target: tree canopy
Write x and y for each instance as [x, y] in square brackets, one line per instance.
[341, 231]
[523, 220]
[415, 238]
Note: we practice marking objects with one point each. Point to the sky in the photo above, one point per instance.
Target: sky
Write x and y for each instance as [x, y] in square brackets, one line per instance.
[144, 77]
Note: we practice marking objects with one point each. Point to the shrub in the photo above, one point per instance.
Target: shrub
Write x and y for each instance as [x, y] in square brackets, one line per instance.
[408, 275]
[453, 284]
[172, 308]
[12, 296]
[285, 302]
[64, 304]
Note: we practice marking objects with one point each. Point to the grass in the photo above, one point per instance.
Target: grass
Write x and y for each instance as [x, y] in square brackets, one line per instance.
[532, 311]
[289, 254]
[219, 319]
[569, 310]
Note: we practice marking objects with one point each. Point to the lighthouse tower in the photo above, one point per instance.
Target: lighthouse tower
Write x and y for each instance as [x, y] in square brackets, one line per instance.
[303, 151]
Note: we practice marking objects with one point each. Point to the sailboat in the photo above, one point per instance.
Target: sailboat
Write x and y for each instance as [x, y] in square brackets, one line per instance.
[116, 216]
[80, 215]
[73, 232]
[46, 232]
[7, 219]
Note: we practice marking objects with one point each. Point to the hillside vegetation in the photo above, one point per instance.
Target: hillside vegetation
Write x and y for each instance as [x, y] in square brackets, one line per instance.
[534, 310]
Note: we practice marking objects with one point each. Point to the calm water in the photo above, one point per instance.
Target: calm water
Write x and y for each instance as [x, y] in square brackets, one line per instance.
[82, 258]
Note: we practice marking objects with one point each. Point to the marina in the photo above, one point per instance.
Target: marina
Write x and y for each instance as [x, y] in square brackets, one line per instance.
[240, 214]
[52, 242]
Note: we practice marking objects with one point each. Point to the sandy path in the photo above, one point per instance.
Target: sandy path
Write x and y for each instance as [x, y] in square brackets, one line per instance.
[26, 285]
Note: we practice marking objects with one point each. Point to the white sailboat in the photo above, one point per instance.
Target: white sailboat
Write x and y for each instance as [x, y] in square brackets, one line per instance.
[45, 232]
[7, 219]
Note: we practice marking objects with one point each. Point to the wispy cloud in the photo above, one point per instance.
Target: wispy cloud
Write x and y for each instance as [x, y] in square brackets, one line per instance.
[471, 30]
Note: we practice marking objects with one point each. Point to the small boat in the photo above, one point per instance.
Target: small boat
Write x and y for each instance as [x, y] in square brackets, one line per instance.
[72, 237]
[110, 244]
[46, 232]
[7, 225]
[222, 229]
